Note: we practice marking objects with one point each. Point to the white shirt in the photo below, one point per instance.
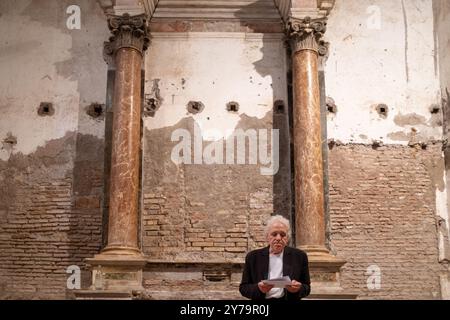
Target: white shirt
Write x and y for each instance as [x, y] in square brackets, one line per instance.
[275, 271]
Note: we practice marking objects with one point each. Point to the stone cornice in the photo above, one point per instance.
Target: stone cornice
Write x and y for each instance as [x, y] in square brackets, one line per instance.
[260, 10]
[306, 34]
[132, 7]
[301, 9]
[218, 9]
[325, 6]
[106, 5]
[127, 32]
[150, 7]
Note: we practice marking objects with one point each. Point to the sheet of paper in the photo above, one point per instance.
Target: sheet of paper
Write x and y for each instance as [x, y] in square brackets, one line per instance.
[278, 282]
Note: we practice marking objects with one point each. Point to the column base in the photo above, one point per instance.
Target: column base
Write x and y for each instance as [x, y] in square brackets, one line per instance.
[121, 251]
[324, 269]
[117, 272]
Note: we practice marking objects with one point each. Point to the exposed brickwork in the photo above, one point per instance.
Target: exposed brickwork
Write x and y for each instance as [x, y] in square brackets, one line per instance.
[44, 227]
[382, 213]
[194, 212]
[382, 206]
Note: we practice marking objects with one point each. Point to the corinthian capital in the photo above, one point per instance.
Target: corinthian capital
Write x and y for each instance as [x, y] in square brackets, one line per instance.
[306, 34]
[127, 32]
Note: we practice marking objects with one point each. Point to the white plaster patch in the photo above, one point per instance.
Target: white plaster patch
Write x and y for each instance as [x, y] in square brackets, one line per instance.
[393, 65]
[215, 68]
[28, 78]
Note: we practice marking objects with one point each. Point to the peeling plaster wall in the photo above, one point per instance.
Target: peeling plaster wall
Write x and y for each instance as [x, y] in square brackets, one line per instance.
[209, 212]
[29, 75]
[51, 177]
[215, 68]
[43, 61]
[51, 181]
[380, 197]
[383, 52]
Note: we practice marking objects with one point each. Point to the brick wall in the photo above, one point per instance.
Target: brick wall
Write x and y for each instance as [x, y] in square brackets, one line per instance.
[44, 226]
[382, 205]
[193, 212]
[382, 212]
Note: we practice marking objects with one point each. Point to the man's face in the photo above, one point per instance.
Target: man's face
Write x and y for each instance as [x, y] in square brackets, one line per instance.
[277, 237]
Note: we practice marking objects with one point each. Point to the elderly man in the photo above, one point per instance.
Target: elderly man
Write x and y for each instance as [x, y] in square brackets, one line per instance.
[275, 261]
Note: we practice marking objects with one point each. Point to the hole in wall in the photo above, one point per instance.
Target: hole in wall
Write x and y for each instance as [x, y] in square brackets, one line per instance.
[435, 109]
[46, 109]
[8, 144]
[96, 110]
[382, 110]
[151, 105]
[436, 119]
[233, 106]
[331, 144]
[10, 139]
[195, 107]
[377, 144]
[216, 275]
[278, 107]
[331, 105]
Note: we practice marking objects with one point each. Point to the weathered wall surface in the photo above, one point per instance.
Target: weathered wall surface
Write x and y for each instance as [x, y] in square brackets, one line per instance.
[51, 166]
[385, 198]
[385, 202]
[383, 214]
[206, 216]
[203, 211]
[383, 52]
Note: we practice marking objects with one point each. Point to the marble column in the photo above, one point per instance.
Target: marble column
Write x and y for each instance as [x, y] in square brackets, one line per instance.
[117, 271]
[126, 46]
[305, 39]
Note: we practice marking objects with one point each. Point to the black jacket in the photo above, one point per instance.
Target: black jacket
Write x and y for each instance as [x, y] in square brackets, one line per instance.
[295, 265]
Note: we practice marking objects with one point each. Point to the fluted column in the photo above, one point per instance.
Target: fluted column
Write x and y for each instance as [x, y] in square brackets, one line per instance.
[126, 46]
[305, 40]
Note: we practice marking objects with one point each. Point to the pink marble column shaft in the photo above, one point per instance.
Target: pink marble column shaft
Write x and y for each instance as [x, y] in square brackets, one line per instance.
[305, 37]
[126, 46]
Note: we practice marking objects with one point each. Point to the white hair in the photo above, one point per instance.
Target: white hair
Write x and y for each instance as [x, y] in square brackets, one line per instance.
[277, 218]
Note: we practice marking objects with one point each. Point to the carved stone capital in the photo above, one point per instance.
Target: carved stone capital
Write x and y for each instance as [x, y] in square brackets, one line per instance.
[306, 34]
[127, 32]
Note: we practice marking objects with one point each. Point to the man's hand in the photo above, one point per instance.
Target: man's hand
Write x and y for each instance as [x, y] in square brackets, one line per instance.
[264, 288]
[294, 287]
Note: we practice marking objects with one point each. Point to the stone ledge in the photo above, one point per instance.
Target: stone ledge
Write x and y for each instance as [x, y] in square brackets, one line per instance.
[330, 291]
[102, 295]
[181, 263]
[116, 260]
[332, 296]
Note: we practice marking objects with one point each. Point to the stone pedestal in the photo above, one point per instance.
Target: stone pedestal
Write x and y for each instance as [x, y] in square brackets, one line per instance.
[116, 273]
[324, 270]
[114, 277]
